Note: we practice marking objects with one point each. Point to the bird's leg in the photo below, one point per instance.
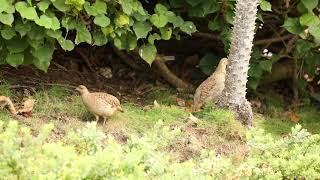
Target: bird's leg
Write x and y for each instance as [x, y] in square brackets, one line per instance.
[104, 121]
[97, 119]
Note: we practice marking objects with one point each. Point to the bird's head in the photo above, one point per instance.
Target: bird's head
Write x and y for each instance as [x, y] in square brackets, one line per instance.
[224, 61]
[82, 89]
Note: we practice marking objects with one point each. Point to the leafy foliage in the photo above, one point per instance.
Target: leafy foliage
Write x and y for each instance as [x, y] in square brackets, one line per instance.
[38, 23]
[90, 154]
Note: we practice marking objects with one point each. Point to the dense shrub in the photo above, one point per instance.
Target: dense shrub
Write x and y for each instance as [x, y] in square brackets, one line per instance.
[90, 154]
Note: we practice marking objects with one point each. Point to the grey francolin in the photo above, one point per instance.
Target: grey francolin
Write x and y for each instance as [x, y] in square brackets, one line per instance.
[212, 87]
[99, 104]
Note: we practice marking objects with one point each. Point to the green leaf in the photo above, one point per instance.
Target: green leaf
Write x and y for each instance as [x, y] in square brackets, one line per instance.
[160, 9]
[310, 4]
[293, 25]
[208, 62]
[6, 18]
[37, 32]
[66, 44]
[83, 35]
[193, 2]
[101, 20]
[216, 24]
[303, 46]
[99, 38]
[100, 6]
[255, 71]
[48, 22]
[158, 20]
[141, 29]
[26, 11]
[188, 27]
[60, 5]
[265, 5]
[16, 45]
[122, 20]
[5, 5]
[126, 41]
[91, 10]
[166, 33]
[309, 19]
[43, 56]
[266, 65]
[315, 31]
[8, 32]
[153, 37]
[148, 53]
[177, 21]
[15, 59]
[126, 6]
[253, 83]
[43, 5]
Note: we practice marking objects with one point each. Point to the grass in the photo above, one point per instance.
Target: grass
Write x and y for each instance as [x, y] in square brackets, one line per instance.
[216, 128]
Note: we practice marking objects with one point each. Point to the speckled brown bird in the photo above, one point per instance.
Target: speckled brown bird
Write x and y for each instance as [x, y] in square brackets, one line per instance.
[211, 88]
[99, 104]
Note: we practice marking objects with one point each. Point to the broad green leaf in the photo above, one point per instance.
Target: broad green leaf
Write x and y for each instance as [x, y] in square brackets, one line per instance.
[15, 59]
[99, 38]
[69, 23]
[122, 20]
[293, 25]
[193, 2]
[78, 4]
[266, 65]
[6, 18]
[43, 5]
[177, 21]
[166, 33]
[160, 9]
[54, 34]
[310, 4]
[153, 37]
[91, 10]
[4, 5]
[100, 6]
[158, 20]
[22, 28]
[126, 41]
[126, 6]
[83, 35]
[253, 82]
[66, 44]
[188, 27]
[210, 7]
[35, 43]
[230, 16]
[148, 53]
[215, 24]
[107, 30]
[303, 46]
[301, 8]
[101, 20]
[309, 19]
[208, 63]
[8, 32]
[16, 45]
[315, 31]
[37, 32]
[60, 5]
[43, 56]
[26, 11]
[255, 71]
[141, 29]
[265, 5]
[48, 22]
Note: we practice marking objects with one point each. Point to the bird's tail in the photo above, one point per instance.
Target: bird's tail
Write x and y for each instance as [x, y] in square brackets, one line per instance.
[119, 108]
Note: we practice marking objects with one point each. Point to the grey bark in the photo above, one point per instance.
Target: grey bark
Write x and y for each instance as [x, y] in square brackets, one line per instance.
[234, 94]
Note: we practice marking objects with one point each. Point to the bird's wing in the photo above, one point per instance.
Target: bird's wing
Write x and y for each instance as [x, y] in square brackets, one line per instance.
[108, 98]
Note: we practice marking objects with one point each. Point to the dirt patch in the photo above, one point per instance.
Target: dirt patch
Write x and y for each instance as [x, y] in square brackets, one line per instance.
[28, 77]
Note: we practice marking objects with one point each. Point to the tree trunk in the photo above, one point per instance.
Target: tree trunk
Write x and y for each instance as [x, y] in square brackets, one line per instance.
[234, 94]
